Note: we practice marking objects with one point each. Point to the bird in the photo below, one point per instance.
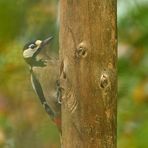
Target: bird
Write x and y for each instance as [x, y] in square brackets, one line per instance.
[44, 71]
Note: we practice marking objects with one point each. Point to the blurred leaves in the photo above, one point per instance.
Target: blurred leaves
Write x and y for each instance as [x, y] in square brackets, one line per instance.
[12, 16]
[133, 26]
[133, 78]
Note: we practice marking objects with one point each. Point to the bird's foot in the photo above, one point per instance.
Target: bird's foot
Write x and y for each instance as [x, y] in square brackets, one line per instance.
[59, 92]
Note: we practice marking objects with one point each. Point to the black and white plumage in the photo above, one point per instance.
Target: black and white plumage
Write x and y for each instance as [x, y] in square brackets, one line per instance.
[32, 50]
[44, 77]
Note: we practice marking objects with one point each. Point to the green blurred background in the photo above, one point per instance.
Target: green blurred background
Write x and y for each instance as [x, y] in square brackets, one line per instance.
[23, 122]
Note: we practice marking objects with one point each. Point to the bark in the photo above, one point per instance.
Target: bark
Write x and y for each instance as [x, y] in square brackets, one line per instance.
[88, 74]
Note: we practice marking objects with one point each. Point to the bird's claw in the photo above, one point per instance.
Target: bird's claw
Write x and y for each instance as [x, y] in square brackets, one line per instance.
[59, 92]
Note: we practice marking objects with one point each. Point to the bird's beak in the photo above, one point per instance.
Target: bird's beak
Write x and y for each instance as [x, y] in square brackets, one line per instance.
[46, 41]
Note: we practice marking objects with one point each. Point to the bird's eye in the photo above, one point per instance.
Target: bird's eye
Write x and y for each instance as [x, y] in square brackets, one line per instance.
[32, 46]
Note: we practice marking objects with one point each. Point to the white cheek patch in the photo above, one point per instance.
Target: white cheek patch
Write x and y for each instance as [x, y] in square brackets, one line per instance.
[28, 53]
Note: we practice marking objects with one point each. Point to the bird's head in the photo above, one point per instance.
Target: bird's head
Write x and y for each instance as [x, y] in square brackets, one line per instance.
[32, 49]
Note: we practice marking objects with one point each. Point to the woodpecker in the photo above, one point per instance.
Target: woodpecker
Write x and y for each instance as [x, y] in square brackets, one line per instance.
[44, 77]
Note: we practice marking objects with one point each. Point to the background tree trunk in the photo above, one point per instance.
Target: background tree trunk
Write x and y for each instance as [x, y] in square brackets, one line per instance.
[88, 53]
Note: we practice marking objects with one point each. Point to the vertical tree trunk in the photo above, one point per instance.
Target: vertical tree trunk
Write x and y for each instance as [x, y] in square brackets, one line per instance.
[88, 53]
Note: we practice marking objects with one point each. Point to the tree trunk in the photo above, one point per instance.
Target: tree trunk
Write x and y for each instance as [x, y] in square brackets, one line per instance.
[88, 74]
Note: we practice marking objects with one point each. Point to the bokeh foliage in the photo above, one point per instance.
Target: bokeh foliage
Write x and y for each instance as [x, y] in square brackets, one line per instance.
[133, 77]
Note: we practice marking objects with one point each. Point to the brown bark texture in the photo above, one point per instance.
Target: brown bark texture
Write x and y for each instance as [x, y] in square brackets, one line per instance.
[88, 73]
